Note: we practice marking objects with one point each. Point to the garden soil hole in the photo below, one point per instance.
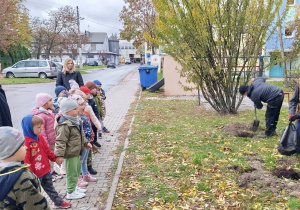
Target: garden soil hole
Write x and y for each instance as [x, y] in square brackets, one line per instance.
[238, 129]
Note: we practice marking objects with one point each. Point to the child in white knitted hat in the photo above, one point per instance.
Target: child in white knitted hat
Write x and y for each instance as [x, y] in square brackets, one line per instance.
[20, 188]
[69, 145]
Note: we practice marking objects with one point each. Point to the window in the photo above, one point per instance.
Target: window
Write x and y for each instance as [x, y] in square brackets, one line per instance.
[288, 32]
[20, 64]
[52, 64]
[93, 47]
[290, 2]
[42, 64]
[31, 63]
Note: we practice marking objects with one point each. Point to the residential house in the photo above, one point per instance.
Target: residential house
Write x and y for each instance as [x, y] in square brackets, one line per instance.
[113, 45]
[98, 48]
[272, 48]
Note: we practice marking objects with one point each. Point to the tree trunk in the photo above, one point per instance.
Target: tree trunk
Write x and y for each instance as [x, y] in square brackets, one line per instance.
[281, 46]
[38, 54]
[47, 53]
[153, 49]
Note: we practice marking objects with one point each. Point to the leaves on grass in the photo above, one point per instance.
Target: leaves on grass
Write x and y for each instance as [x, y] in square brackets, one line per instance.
[180, 158]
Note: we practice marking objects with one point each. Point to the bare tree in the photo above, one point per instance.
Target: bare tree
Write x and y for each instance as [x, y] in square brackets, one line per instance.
[57, 34]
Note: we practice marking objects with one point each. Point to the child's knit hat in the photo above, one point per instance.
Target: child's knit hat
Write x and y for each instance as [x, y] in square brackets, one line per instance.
[11, 141]
[42, 98]
[97, 82]
[58, 89]
[74, 85]
[81, 93]
[85, 89]
[77, 98]
[67, 104]
[90, 85]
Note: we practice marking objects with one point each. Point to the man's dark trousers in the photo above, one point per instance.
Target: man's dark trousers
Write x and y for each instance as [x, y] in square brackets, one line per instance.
[272, 114]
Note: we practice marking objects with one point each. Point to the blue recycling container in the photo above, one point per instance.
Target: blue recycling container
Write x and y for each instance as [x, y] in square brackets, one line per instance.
[148, 75]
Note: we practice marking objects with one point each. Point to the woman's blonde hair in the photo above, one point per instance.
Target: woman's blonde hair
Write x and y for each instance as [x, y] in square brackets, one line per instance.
[65, 68]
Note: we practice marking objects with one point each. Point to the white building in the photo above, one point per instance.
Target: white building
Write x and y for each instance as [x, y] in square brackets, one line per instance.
[127, 50]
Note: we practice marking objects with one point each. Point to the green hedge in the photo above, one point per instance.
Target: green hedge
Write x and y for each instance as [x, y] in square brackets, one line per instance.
[14, 54]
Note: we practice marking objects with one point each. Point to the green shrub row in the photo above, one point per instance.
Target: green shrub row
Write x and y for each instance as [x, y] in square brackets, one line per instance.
[14, 54]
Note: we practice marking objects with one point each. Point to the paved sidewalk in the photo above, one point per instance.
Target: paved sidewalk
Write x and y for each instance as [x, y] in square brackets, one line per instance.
[119, 99]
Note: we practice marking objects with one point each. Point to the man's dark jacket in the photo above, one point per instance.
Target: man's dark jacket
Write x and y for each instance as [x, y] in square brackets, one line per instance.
[259, 92]
[293, 103]
[5, 117]
[63, 79]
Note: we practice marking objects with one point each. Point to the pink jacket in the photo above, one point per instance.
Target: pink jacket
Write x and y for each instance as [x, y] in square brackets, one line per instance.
[93, 117]
[48, 131]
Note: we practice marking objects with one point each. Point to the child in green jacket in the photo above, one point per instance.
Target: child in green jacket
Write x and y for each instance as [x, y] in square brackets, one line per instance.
[69, 145]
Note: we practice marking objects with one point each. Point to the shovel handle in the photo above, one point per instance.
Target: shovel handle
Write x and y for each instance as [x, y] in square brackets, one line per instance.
[255, 113]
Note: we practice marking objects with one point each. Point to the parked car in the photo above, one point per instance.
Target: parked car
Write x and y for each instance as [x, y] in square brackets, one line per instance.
[127, 61]
[111, 65]
[59, 66]
[92, 63]
[31, 68]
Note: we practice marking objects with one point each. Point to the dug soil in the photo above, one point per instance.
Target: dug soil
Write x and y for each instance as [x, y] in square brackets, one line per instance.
[281, 179]
[238, 129]
[277, 181]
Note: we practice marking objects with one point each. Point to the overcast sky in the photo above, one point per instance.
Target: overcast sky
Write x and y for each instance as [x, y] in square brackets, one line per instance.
[99, 15]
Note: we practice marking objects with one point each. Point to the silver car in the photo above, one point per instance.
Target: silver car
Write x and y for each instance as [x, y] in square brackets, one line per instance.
[31, 68]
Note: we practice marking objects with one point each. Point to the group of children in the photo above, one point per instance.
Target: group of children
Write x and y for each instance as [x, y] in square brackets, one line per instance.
[62, 130]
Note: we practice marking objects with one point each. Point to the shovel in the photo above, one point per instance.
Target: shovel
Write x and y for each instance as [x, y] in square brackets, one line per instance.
[255, 122]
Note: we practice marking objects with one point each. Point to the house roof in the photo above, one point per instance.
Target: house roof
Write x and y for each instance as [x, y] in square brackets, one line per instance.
[98, 37]
[113, 38]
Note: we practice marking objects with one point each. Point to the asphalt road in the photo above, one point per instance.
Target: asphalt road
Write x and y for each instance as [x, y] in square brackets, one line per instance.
[21, 98]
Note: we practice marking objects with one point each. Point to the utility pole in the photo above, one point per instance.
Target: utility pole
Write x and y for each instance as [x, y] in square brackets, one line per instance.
[281, 46]
[79, 48]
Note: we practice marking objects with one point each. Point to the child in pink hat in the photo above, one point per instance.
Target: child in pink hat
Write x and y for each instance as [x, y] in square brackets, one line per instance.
[44, 109]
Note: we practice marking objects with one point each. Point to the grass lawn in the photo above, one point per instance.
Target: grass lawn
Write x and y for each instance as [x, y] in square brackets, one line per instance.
[281, 85]
[84, 68]
[7, 81]
[10, 81]
[180, 158]
[159, 75]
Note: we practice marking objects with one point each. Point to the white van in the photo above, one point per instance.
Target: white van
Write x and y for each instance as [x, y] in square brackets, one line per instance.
[127, 61]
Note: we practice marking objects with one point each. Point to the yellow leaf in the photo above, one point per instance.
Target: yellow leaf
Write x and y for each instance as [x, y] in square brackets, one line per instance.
[223, 185]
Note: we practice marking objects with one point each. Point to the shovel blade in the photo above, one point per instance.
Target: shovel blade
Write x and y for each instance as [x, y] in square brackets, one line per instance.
[255, 125]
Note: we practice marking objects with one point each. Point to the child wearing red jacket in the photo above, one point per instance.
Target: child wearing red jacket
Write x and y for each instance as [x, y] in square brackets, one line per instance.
[38, 155]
